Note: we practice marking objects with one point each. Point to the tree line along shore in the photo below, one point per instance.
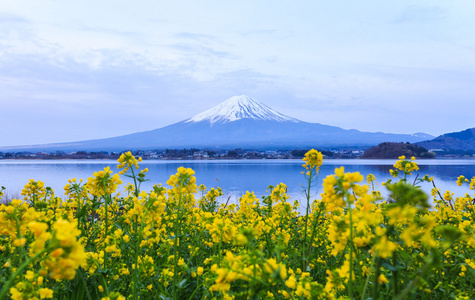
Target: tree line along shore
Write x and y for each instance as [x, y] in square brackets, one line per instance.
[381, 151]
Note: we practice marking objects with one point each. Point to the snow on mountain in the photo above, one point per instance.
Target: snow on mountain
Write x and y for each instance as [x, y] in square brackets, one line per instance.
[424, 136]
[237, 108]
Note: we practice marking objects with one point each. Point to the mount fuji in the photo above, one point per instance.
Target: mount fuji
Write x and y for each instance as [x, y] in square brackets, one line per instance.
[239, 121]
[237, 108]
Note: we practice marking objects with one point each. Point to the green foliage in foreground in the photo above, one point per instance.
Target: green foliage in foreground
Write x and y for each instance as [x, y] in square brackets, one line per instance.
[179, 242]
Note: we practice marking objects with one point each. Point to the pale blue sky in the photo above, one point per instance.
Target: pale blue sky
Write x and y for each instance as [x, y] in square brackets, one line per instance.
[76, 70]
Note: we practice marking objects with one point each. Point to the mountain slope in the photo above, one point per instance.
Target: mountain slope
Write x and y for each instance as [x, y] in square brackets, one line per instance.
[462, 140]
[238, 122]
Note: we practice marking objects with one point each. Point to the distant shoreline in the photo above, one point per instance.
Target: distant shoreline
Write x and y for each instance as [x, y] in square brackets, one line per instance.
[230, 158]
[233, 154]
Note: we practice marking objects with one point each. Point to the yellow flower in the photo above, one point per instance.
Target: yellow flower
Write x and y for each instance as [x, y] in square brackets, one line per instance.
[46, 293]
[183, 182]
[19, 242]
[181, 262]
[30, 275]
[407, 166]
[283, 272]
[57, 252]
[103, 183]
[370, 178]
[291, 282]
[34, 190]
[62, 264]
[38, 228]
[15, 294]
[199, 271]
[382, 279]
[384, 247]
[65, 233]
[126, 161]
[313, 159]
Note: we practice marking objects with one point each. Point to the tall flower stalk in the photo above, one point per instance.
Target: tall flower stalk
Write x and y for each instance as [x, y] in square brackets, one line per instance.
[313, 160]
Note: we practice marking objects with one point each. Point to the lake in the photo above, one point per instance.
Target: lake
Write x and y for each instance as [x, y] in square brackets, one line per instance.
[235, 177]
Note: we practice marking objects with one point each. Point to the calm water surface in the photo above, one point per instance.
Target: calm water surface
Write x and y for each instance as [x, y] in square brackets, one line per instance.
[235, 177]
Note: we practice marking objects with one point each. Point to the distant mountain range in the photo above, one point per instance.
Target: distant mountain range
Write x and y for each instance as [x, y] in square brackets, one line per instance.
[239, 121]
[462, 140]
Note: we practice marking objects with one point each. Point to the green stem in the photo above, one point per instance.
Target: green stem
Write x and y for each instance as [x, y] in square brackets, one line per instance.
[106, 228]
[198, 286]
[377, 272]
[106, 286]
[23, 254]
[136, 259]
[350, 282]
[304, 248]
[78, 210]
[85, 285]
[405, 268]
[177, 227]
[395, 276]
[414, 282]
[136, 192]
[317, 218]
[367, 277]
[137, 245]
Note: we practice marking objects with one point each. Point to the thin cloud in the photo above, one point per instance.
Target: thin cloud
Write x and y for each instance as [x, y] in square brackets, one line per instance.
[12, 18]
[196, 36]
[270, 32]
[200, 50]
[108, 31]
[421, 14]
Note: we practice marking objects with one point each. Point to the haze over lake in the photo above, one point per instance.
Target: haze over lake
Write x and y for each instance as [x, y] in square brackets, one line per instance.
[235, 177]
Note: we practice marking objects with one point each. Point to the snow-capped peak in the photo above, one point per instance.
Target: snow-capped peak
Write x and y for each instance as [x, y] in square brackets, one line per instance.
[240, 107]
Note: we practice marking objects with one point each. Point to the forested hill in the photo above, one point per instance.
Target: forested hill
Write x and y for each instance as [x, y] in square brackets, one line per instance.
[394, 150]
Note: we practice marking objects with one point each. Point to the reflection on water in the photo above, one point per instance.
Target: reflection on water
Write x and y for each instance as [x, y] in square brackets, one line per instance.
[235, 177]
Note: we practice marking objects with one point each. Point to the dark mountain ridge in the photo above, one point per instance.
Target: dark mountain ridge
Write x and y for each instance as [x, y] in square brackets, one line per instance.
[462, 140]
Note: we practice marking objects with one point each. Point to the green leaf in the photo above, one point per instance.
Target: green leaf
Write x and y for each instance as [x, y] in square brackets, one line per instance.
[449, 233]
[182, 283]
[81, 213]
[407, 194]
[404, 255]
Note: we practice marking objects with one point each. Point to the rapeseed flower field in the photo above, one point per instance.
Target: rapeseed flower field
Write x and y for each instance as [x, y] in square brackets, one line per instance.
[101, 241]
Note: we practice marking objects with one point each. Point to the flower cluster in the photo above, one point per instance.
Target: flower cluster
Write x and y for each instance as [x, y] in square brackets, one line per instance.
[58, 251]
[126, 161]
[68, 254]
[103, 183]
[313, 160]
[183, 182]
[342, 189]
[346, 243]
[34, 190]
[404, 165]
